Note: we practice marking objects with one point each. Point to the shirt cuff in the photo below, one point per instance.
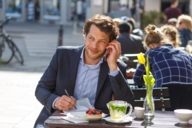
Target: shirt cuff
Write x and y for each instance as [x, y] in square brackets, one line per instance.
[114, 73]
[53, 105]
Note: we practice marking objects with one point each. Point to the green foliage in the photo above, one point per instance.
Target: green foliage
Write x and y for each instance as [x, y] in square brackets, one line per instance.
[152, 17]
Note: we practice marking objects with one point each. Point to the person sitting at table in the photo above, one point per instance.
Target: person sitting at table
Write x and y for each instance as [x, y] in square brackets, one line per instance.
[91, 71]
[172, 21]
[168, 65]
[129, 43]
[179, 93]
[184, 25]
[172, 35]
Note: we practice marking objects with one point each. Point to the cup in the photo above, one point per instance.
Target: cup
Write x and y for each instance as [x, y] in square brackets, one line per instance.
[139, 112]
[130, 73]
[118, 109]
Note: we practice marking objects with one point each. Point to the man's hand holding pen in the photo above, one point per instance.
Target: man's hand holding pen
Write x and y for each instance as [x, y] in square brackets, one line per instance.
[65, 103]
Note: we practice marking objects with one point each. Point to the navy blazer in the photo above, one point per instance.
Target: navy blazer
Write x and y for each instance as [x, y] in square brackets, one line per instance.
[61, 74]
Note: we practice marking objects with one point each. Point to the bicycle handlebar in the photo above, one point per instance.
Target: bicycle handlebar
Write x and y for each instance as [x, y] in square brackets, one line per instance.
[2, 23]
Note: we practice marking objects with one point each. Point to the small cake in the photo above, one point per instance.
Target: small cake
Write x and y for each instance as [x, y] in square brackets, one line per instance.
[93, 114]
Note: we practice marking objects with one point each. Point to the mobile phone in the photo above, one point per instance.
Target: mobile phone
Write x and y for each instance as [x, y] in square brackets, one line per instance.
[106, 54]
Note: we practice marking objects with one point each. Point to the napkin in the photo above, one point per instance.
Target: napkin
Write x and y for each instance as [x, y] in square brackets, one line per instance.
[75, 117]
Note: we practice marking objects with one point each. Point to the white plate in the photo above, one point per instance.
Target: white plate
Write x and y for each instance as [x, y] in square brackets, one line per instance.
[124, 120]
[80, 115]
[95, 119]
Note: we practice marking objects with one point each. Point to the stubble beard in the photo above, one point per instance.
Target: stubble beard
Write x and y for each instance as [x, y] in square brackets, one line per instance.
[93, 56]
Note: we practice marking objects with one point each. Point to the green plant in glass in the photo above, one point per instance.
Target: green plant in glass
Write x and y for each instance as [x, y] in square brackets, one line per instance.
[149, 84]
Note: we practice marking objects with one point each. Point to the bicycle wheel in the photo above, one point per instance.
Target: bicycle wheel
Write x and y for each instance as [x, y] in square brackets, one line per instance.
[6, 54]
[17, 53]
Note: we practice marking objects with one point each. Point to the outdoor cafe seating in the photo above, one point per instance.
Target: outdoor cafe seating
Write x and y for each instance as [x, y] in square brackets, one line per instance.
[164, 99]
[169, 97]
[160, 95]
[172, 96]
[180, 96]
[130, 60]
[161, 120]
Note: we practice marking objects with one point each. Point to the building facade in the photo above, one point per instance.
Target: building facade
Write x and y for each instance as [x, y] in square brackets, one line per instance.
[65, 11]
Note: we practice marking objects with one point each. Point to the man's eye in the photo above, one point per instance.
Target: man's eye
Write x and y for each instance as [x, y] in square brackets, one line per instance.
[103, 42]
[91, 38]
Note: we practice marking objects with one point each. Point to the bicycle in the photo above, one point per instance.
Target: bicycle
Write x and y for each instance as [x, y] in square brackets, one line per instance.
[8, 49]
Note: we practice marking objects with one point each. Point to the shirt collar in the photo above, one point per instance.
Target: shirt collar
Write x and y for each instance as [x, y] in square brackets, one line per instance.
[168, 45]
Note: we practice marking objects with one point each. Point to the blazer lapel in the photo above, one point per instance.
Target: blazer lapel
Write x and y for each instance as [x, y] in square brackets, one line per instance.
[104, 70]
[75, 58]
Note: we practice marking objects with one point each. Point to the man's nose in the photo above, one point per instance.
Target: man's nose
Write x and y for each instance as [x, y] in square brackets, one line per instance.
[94, 44]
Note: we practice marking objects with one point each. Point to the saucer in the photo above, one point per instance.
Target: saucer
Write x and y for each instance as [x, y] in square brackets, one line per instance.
[185, 125]
[124, 120]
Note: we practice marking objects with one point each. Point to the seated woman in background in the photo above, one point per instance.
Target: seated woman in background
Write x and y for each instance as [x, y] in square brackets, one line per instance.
[168, 64]
[172, 35]
[184, 25]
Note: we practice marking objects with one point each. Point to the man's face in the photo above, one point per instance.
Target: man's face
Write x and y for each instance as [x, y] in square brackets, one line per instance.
[96, 42]
[181, 25]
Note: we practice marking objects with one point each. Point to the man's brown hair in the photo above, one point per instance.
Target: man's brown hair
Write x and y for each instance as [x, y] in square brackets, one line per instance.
[104, 23]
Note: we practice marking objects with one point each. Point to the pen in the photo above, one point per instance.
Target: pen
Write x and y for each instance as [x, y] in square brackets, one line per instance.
[69, 96]
[67, 93]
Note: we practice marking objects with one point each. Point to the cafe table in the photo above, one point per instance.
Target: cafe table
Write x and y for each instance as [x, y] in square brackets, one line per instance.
[164, 119]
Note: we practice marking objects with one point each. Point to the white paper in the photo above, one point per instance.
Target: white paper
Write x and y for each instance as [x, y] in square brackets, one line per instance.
[78, 115]
[75, 117]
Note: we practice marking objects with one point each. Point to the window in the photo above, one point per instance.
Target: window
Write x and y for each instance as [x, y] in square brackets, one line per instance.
[13, 8]
[51, 10]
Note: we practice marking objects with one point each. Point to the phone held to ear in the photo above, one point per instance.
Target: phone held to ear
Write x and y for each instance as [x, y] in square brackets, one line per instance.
[106, 54]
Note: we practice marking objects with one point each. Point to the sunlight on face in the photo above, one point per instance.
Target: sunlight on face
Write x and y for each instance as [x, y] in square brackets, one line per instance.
[96, 42]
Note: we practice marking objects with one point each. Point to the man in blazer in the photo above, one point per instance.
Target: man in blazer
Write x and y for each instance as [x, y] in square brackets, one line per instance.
[130, 43]
[91, 71]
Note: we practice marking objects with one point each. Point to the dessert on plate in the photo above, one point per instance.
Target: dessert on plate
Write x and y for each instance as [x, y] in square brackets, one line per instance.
[93, 114]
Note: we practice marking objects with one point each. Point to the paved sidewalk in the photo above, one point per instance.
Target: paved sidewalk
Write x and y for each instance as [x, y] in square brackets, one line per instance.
[19, 107]
[42, 40]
